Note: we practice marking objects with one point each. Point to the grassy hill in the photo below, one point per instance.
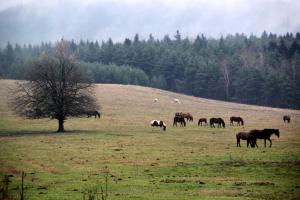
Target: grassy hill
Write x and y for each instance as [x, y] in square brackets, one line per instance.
[142, 162]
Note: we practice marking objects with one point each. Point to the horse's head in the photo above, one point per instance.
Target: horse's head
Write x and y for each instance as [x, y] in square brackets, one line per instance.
[276, 131]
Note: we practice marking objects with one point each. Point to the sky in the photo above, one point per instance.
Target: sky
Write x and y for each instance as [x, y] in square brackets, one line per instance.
[33, 21]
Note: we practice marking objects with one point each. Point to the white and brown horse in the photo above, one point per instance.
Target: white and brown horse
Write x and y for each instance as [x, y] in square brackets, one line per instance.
[158, 123]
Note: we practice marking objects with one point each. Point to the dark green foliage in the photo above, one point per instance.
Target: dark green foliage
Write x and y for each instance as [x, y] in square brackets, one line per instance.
[261, 70]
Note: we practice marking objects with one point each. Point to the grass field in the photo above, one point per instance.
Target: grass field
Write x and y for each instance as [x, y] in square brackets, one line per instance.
[142, 162]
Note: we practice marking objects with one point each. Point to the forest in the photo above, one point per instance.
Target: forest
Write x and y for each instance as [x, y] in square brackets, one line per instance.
[261, 70]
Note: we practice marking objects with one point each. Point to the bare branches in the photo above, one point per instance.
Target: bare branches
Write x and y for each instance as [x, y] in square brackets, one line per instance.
[55, 88]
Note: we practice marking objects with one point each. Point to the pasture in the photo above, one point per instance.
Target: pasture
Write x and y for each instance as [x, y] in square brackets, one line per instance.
[141, 162]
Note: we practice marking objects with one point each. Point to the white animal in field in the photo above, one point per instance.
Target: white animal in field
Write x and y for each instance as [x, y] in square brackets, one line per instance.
[155, 100]
[158, 123]
[176, 101]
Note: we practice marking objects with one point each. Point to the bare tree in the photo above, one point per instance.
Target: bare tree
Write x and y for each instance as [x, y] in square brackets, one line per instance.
[225, 73]
[55, 87]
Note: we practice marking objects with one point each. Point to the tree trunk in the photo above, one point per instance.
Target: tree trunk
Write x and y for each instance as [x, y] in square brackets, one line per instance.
[61, 126]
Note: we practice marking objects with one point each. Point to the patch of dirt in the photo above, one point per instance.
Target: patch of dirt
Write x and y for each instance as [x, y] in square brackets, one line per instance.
[173, 181]
[181, 181]
[253, 183]
[238, 163]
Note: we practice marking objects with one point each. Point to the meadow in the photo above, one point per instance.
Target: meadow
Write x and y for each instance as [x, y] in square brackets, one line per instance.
[123, 155]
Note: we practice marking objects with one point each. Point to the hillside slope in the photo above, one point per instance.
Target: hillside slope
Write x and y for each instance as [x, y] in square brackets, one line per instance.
[192, 162]
[130, 105]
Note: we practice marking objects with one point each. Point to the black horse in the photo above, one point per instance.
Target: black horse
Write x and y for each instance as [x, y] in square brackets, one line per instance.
[245, 136]
[93, 113]
[218, 121]
[286, 118]
[239, 120]
[202, 120]
[264, 134]
[179, 119]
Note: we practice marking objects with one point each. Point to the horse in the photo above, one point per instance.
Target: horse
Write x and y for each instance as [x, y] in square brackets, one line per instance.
[218, 121]
[158, 123]
[286, 118]
[265, 134]
[93, 113]
[204, 120]
[246, 136]
[188, 116]
[179, 118]
[239, 120]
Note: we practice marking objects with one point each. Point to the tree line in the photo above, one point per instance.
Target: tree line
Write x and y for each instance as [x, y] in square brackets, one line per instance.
[260, 70]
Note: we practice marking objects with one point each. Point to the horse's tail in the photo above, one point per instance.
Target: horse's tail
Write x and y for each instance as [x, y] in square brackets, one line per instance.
[242, 121]
[198, 122]
[98, 114]
[174, 122]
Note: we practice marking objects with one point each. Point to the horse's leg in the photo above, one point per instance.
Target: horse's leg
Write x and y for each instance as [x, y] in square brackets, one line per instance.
[265, 142]
[270, 142]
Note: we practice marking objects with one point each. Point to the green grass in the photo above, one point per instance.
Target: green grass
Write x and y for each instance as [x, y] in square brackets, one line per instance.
[146, 163]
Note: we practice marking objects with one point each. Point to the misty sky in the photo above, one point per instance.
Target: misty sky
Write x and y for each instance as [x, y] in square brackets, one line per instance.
[32, 21]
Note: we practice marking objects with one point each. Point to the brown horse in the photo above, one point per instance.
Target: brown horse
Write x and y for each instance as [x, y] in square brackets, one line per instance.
[202, 120]
[239, 120]
[93, 113]
[265, 134]
[286, 118]
[218, 121]
[245, 136]
[187, 116]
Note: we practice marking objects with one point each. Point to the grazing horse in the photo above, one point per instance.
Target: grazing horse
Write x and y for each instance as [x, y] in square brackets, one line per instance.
[204, 120]
[158, 123]
[188, 116]
[245, 136]
[286, 118]
[218, 121]
[239, 120]
[179, 118]
[93, 113]
[264, 134]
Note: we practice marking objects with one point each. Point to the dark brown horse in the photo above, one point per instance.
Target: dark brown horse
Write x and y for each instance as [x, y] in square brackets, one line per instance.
[179, 119]
[239, 120]
[245, 136]
[264, 134]
[286, 118]
[93, 113]
[218, 121]
[202, 120]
